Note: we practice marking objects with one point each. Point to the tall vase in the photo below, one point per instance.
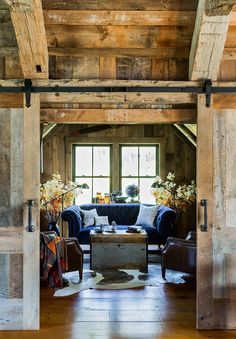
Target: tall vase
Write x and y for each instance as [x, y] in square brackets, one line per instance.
[53, 226]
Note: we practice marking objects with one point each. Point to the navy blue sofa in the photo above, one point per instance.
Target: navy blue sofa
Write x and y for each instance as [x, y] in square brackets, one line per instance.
[123, 215]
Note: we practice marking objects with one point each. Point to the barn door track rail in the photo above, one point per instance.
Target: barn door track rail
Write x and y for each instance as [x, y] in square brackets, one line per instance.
[206, 89]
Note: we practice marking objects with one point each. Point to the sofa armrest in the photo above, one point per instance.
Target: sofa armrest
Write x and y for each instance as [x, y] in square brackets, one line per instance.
[73, 241]
[191, 236]
[181, 243]
[179, 254]
[73, 217]
[165, 222]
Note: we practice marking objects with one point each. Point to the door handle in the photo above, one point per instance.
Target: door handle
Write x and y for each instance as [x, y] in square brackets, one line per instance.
[204, 227]
[30, 224]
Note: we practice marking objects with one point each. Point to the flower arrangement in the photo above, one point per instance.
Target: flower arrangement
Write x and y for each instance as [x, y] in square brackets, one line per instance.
[56, 195]
[169, 194]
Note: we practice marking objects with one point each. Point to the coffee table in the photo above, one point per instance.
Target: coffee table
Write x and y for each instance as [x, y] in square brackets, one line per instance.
[118, 250]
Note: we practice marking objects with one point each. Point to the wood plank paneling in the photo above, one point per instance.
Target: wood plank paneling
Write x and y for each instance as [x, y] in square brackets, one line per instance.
[172, 69]
[11, 240]
[159, 52]
[204, 239]
[16, 168]
[11, 100]
[118, 36]
[86, 68]
[107, 67]
[5, 160]
[224, 100]
[151, 5]
[134, 68]
[123, 18]
[31, 181]
[227, 70]
[7, 35]
[13, 68]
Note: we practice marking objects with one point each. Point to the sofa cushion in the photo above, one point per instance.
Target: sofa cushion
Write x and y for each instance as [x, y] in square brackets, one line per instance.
[89, 217]
[147, 215]
[101, 220]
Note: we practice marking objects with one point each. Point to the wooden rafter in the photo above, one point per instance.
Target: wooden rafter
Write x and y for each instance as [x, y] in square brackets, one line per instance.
[28, 22]
[207, 44]
[187, 134]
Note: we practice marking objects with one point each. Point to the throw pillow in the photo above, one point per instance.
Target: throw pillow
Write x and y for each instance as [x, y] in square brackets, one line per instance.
[88, 217]
[102, 220]
[147, 215]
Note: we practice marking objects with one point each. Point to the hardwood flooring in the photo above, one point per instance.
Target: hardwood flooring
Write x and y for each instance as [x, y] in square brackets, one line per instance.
[166, 311]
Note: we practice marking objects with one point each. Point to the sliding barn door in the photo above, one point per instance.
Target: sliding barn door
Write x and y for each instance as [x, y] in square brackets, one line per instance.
[216, 246]
[19, 248]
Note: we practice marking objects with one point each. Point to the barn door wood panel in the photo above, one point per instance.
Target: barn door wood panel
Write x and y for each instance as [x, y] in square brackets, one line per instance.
[216, 248]
[19, 249]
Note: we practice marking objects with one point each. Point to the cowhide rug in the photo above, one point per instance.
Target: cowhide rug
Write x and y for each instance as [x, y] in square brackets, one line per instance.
[117, 279]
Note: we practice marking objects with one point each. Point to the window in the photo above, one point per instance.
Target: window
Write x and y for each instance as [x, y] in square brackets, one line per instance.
[139, 166]
[92, 166]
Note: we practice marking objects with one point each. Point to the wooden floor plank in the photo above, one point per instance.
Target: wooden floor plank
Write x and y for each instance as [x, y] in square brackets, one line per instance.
[165, 311]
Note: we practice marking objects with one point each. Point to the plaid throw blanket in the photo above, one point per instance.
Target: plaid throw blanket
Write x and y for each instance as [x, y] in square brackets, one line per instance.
[53, 257]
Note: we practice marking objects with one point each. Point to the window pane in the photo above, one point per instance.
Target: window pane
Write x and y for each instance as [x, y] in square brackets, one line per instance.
[129, 161]
[147, 161]
[101, 185]
[145, 191]
[86, 195]
[101, 161]
[83, 161]
[128, 181]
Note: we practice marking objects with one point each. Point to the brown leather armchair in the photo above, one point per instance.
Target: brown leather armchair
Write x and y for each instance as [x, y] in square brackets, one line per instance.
[75, 256]
[179, 254]
[73, 253]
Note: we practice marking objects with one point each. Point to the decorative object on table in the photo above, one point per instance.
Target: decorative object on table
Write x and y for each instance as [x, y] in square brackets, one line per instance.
[115, 194]
[134, 229]
[99, 229]
[102, 198]
[168, 193]
[114, 226]
[120, 199]
[54, 197]
[132, 191]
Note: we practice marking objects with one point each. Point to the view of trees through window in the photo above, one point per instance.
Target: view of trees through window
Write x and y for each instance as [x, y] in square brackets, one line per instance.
[139, 165]
[92, 166]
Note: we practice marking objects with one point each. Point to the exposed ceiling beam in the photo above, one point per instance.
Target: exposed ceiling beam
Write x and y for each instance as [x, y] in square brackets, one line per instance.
[117, 116]
[28, 22]
[219, 7]
[207, 44]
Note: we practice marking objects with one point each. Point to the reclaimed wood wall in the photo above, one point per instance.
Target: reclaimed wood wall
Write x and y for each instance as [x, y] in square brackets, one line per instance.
[11, 215]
